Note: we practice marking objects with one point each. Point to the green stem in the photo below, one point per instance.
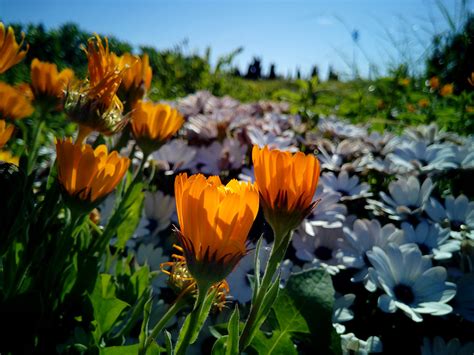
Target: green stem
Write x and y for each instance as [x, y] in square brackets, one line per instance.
[193, 321]
[175, 308]
[276, 256]
[33, 147]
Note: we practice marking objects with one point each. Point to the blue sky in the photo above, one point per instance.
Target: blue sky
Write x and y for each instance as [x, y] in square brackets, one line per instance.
[291, 34]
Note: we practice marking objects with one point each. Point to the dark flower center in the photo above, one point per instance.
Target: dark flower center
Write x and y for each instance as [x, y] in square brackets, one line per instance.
[425, 250]
[404, 293]
[323, 253]
[456, 226]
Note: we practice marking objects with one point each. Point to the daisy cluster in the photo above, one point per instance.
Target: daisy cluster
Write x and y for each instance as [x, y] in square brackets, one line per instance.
[394, 223]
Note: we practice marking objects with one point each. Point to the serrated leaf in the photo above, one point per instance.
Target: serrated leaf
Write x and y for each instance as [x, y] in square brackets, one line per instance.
[313, 294]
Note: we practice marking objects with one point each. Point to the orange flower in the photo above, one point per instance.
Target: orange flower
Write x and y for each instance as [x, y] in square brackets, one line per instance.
[88, 175]
[214, 221]
[411, 108]
[286, 184]
[153, 124]
[434, 83]
[136, 77]
[47, 84]
[423, 103]
[10, 53]
[95, 105]
[404, 82]
[446, 90]
[6, 131]
[471, 79]
[13, 103]
[6, 156]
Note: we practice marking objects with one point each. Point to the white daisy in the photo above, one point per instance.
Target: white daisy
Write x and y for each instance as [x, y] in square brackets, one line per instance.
[431, 239]
[456, 214]
[320, 247]
[410, 282]
[349, 187]
[407, 198]
[364, 235]
[158, 210]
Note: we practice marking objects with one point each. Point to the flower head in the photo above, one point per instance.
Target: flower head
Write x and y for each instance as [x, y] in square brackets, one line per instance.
[47, 84]
[446, 90]
[13, 103]
[433, 83]
[286, 183]
[153, 124]
[94, 104]
[214, 220]
[10, 53]
[6, 156]
[88, 175]
[6, 131]
[136, 78]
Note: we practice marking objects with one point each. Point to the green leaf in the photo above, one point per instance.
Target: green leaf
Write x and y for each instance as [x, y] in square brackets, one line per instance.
[219, 347]
[286, 321]
[119, 350]
[286, 315]
[125, 218]
[107, 308]
[232, 344]
[313, 295]
[169, 343]
[206, 307]
[278, 343]
[266, 305]
[146, 318]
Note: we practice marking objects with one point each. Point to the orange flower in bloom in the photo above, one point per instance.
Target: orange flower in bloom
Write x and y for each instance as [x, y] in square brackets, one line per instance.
[6, 131]
[214, 221]
[153, 124]
[88, 175]
[434, 83]
[446, 90]
[10, 53]
[13, 103]
[136, 78]
[95, 105]
[47, 84]
[286, 184]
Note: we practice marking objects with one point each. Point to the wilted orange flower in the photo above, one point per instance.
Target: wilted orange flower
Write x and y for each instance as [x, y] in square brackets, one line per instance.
[6, 156]
[434, 83]
[214, 221]
[471, 79]
[410, 108]
[153, 124]
[136, 78]
[423, 103]
[6, 131]
[13, 103]
[95, 105]
[286, 183]
[446, 90]
[88, 175]
[10, 53]
[47, 84]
